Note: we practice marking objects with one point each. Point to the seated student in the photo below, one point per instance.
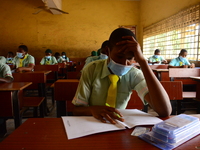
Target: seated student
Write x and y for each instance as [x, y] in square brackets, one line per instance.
[2, 59]
[181, 61]
[64, 56]
[23, 62]
[156, 58]
[48, 59]
[10, 58]
[5, 77]
[59, 58]
[92, 97]
[102, 51]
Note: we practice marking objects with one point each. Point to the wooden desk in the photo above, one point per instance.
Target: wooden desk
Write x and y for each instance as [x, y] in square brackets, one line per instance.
[49, 133]
[38, 78]
[162, 74]
[14, 87]
[197, 92]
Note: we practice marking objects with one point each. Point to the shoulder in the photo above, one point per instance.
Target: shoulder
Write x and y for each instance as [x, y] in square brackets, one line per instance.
[30, 56]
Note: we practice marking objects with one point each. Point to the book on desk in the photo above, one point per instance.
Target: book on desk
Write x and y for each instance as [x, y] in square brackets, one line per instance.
[79, 126]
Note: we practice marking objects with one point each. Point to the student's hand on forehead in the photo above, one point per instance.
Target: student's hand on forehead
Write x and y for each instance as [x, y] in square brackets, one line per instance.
[130, 46]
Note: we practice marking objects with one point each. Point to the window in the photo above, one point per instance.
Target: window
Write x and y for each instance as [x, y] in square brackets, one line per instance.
[180, 31]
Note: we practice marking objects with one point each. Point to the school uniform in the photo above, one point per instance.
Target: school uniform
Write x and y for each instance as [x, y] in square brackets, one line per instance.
[94, 83]
[156, 59]
[60, 60]
[28, 59]
[2, 60]
[48, 61]
[5, 71]
[65, 58]
[179, 62]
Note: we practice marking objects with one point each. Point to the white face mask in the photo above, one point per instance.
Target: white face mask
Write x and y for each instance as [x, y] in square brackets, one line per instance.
[119, 69]
[20, 55]
[103, 56]
[47, 57]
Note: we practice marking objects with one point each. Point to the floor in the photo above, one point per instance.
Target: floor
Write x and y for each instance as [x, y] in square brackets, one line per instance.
[52, 114]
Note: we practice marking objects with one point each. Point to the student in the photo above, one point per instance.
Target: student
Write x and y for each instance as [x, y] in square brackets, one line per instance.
[156, 58]
[91, 94]
[23, 61]
[5, 77]
[10, 58]
[103, 54]
[2, 59]
[181, 61]
[48, 59]
[59, 58]
[64, 56]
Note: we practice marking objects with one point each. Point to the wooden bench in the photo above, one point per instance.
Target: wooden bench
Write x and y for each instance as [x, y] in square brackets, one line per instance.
[174, 90]
[64, 92]
[53, 76]
[189, 94]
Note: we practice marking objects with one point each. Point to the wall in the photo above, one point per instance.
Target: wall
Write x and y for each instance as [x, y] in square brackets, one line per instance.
[83, 30]
[152, 11]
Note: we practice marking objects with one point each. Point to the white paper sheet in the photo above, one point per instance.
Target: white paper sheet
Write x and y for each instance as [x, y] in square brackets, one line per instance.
[78, 126]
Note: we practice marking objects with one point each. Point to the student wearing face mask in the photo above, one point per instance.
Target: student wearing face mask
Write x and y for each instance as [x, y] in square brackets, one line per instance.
[93, 91]
[181, 61]
[156, 58]
[102, 54]
[23, 62]
[10, 58]
[48, 59]
[64, 56]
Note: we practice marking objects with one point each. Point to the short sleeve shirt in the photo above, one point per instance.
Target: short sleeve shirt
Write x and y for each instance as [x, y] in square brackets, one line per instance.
[2, 59]
[28, 60]
[5, 71]
[94, 84]
[178, 62]
[46, 61]
[154, 59]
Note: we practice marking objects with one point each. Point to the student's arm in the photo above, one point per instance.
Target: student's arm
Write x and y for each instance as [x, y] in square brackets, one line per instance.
[25, 69]
[6, 80]
[157, 96]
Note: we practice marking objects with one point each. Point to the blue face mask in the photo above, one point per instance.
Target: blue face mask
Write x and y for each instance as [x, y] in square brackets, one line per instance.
[20, 55]
[182, 58]
[9, 58]
[63, 56]
[118, 69]
[156, 56]
[47, 57]
[103, 56]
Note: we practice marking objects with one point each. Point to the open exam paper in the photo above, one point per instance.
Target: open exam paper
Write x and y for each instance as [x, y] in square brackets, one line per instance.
[79, 126]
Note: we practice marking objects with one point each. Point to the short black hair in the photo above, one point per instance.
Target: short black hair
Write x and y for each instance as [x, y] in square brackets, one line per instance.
[11, 53]
[104, 44]
[183, 51]
[48, 51]
[24, 47]
[57, 54]
[156, 51]
[63, 53]
[117, 34]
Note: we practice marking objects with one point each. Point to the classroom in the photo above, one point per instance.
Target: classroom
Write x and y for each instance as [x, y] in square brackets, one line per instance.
[78, 30]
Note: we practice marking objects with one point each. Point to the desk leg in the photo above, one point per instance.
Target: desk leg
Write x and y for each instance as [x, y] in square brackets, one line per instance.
[61, 108]
[16, 109]
[42, 93]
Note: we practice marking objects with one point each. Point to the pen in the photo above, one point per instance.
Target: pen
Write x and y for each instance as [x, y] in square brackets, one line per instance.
[114, 112]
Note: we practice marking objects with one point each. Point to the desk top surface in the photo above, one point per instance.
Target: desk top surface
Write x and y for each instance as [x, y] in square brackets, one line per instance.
[14, 86]
[196, 78]
[161, 70]
[49, 133]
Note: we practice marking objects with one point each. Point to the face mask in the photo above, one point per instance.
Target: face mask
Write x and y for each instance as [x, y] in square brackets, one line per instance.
[63, 56]
[156, 56]
[181, 58]
[47, 57]
[103, 56]
[9, 58]
[118, 69]
[19, 55]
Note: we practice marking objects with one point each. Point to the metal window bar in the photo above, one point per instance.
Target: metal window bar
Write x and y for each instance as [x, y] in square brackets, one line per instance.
[180, 31]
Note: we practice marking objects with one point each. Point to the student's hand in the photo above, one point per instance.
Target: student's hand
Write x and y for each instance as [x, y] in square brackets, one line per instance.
[18, 70]
[130, 45]
[192, 65]
[164, 62]
[104, 113]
